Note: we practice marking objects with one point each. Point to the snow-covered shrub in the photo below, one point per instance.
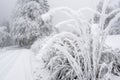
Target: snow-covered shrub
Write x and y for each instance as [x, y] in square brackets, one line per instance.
[56, 60]
[65, 58]
[107, 56]
[116, 63]
[69, 56]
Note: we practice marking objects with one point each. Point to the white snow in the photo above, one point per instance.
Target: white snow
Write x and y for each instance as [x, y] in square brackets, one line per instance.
[16, 65]
[113, 41]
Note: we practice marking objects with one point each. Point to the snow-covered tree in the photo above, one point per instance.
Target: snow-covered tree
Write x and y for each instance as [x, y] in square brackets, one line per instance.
[113, 5]
[5, 22]
[25, 31]
[43, 3]
[5, 38]
[27, 24]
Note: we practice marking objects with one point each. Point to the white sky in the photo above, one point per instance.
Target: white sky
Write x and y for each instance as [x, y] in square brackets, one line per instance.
[6, 6]
[75, 4]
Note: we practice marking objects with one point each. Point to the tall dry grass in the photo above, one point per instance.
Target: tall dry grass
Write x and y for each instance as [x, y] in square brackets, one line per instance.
[80, 56]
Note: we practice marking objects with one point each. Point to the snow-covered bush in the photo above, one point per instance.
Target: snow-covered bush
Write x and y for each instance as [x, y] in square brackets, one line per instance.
[81, 56]
[108, 56]
[65, 58]
[54, 56]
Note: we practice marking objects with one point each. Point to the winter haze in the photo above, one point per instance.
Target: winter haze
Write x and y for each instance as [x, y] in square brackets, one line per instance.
[59, 39]
[7, 6]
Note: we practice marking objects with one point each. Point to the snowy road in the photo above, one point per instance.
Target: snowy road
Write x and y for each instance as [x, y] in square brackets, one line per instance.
[16, 65]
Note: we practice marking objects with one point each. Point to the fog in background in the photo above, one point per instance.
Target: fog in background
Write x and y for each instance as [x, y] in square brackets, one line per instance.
[7, 6]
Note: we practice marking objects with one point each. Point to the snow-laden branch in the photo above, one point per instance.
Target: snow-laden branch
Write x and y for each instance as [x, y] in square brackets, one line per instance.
[54, 38]
[73, 28]
[89, 9]
[102, 17]
[72, 14]
[55, 42]
[101, 38]
[68, 11]
[64, 22]
[112, 22]
[72, 61]
[113, 12]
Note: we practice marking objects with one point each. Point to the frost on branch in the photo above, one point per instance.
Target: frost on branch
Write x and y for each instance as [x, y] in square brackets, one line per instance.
[54, 57]
[57, 52]
[112, 10]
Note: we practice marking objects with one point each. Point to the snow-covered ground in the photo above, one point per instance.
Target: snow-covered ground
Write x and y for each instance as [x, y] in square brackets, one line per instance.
[113, 41]
[16, 65]
[20, 64]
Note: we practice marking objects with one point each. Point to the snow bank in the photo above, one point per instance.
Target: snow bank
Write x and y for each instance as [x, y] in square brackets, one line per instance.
[113, 41]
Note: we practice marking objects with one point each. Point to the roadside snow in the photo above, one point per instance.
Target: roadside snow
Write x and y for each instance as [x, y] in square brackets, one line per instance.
[113, 41]
[20, 64]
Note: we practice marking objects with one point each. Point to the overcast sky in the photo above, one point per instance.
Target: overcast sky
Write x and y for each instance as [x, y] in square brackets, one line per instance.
[6, 6]
[75, 4]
